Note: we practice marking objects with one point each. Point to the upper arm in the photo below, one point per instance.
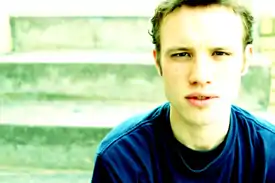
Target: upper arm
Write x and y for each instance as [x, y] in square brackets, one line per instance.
[269, 146]
[103, 172]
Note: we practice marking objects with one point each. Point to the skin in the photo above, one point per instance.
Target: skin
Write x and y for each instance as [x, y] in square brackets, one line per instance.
[202, 51]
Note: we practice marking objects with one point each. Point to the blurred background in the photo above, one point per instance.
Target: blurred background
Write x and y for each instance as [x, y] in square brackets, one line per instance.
[71, 70]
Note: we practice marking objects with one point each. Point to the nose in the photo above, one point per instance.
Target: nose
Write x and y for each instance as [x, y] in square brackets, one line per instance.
[201, 73]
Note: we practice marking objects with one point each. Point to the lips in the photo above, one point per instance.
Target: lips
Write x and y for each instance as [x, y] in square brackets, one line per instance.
[200, 96]
[201, 100]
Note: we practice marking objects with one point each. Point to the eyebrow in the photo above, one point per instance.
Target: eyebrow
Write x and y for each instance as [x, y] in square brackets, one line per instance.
[175, 49]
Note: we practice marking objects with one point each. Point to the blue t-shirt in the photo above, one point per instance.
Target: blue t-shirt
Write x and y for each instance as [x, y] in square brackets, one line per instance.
[144, 150]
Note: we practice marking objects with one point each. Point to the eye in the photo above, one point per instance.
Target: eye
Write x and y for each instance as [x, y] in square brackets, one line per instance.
[220, 53]
[182, 54]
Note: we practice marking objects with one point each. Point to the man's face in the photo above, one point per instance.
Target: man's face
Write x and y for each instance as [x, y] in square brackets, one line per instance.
[202, 54]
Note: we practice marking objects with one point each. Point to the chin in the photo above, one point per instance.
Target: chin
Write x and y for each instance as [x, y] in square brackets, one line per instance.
[204, 116]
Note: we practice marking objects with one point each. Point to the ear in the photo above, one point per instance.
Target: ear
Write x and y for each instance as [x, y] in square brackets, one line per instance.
[248, 54]
[157, 62]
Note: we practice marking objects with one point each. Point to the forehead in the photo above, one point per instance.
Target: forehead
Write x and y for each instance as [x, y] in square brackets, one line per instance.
[202, 26]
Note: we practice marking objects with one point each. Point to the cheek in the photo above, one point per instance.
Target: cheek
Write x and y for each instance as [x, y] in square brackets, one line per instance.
[230, 72]
[174, 77]
[175, 72]
[229, 82]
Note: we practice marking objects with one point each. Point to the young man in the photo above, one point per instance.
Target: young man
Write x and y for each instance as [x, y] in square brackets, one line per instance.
[201, 51]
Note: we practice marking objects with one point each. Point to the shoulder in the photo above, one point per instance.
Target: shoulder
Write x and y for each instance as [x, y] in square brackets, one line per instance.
[125, 150]
[261, 131]
[127, 147]
[131, 129]
[258, 123]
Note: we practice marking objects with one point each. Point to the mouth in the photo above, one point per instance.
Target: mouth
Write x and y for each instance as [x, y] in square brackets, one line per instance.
[200, 97]
[201, 100]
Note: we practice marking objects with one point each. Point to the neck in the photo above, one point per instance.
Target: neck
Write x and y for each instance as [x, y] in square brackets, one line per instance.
[199, 137]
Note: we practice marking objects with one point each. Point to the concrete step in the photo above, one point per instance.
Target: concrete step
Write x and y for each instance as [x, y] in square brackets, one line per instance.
[75, 56]
[70, 114]
[80, 75]
[64, 33]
